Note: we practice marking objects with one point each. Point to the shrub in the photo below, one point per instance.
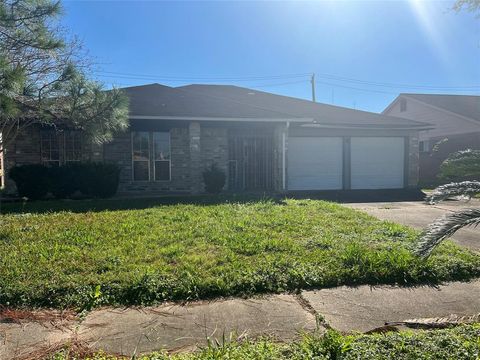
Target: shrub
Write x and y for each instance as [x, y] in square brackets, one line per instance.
[461, 165]
[214, 179]
[63, 180]
[32, 180]
[99, 180]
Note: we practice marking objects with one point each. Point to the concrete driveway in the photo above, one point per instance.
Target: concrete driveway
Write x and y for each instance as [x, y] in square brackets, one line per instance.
[418, 215]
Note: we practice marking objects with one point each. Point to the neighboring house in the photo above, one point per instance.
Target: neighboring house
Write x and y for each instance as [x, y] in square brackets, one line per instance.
[263, 142]
[455, 121]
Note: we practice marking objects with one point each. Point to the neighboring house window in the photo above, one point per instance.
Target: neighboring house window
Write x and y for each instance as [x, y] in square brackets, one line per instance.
[161, 148]
[424, 146]
[73, 146]
[50, 144]
[403, 105]
[141, 156]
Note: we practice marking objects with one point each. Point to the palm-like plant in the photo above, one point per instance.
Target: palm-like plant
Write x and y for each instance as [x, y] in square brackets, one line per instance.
[447, 225]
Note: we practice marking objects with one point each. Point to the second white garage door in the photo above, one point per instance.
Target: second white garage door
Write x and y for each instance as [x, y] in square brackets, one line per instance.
[377, 162]
[315, 163]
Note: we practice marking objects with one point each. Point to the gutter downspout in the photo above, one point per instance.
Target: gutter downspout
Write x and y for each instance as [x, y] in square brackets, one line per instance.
[284, 156]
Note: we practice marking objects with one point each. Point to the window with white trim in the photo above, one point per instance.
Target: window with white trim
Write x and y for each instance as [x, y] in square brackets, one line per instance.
[60, 147]
[50, 147]
[161, 150]
[73, 146]
[151, 156]
[424, 146]
[141, 155]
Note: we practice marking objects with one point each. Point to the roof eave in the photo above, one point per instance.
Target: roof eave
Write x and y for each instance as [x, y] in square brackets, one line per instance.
[224, 119]
[370, 126]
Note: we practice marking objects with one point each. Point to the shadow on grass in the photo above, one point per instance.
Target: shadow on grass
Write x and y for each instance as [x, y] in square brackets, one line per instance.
[136, 203]
[133, 203]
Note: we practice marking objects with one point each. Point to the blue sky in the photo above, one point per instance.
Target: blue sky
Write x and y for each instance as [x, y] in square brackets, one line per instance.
[363, 52]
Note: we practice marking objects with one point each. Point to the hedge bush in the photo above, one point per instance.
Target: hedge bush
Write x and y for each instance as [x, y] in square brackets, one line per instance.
[214, 179]
[63, 181]
[98, 180]
[32, 180]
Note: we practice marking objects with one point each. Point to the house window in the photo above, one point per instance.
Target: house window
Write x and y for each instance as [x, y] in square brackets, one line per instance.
[424, 146]
[161, 148]
[141, 156]
[50, 151]
[151, 156]
[60, 147]
[73, 146]
[403, 105]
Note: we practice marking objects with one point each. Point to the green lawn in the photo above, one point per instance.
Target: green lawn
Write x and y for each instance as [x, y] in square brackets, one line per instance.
[460, 343]
[142, 251]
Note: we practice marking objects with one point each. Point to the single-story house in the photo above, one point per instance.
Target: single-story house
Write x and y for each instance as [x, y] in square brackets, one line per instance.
[455, 121]
[262, 141]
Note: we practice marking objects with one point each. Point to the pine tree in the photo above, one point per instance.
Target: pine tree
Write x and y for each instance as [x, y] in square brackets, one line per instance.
[43, 76]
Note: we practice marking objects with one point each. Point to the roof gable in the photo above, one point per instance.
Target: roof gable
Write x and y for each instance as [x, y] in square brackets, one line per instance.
[464, 105]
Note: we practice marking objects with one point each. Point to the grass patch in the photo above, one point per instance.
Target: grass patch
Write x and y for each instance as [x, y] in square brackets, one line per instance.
[186, 251]
[456, 343]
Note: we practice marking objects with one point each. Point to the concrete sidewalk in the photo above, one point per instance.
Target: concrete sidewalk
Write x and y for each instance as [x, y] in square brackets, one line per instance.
[174, 327]
[418, 214]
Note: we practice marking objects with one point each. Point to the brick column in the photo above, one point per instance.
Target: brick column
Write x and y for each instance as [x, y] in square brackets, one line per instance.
[195, 158]
[412, 161]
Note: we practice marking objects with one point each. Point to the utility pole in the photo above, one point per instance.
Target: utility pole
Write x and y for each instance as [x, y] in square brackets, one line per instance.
[313, 87]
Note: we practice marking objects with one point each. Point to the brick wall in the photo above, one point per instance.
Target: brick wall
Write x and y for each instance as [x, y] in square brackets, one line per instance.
[119, 151]
[26, 149]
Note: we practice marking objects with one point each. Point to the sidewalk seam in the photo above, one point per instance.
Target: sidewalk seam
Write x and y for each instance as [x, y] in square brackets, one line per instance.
[307, 306]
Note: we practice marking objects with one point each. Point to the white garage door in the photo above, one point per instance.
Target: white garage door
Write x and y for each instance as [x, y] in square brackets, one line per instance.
[377, 162]
[315, 163]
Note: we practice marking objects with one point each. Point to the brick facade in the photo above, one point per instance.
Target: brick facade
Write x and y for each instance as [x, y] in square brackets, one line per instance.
[27, 149]
[194, 146]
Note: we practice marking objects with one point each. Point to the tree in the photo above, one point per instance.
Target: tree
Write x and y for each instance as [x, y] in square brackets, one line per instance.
[43, 76]
[469, 5]
[458, 165]
[447, 225]
[461, 164]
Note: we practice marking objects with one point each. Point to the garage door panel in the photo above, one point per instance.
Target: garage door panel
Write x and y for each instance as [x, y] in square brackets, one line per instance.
[377, 162]
[315, 163]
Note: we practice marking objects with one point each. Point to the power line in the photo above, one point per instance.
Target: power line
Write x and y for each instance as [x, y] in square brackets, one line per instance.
[393, 85]
[336, 79]
[253, 85]
[280, 84]
[112, 74]
[210, 79]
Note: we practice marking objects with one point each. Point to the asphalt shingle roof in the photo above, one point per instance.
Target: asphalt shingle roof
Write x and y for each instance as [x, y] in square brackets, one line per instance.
[226, 101]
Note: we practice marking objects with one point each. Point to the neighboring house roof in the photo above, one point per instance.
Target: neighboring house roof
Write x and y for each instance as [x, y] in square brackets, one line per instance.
[464, 105]
[232, 102]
